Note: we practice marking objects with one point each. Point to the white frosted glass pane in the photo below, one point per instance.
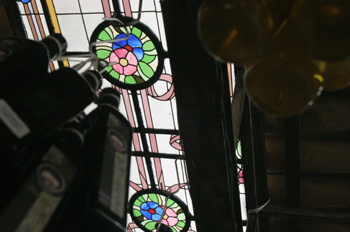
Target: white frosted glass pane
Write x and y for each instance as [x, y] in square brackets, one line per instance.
[20, 7]
[91, 6]
[147, 5]
[91, 22]
[150, 19]
[27, 27]
[72, 29]
[241, 188]
[105, 84]
[161, 31]
[40, 8]
[123, 104]
[43, 21]
[134, 172]
[121, 107]
[121, 5]
[90, 108]
[158, 6]
[55, 64]
[174, 107]
[111, 6]
[193, 226]
[66, 6]
[233, 77]
[160, 87]
[167, 66]
[164, 146]
[169, 172]
[161, 114]
[243, 207]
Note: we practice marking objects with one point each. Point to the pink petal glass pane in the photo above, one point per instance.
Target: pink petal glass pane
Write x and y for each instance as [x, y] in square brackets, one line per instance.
[131, 59]
[129, 69]
[121, 53]
[170, 212]
[113, 58]
[118, 68]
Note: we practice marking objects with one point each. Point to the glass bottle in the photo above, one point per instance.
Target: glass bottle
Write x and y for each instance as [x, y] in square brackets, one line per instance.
[336, 75]
[32, 110]
[321, 28]
[107, 151]
[20, 57]
[235, 31]
[285, 81]
[38, 195]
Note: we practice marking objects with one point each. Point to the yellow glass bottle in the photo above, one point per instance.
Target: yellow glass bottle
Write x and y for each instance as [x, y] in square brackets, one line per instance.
[280, 10]
[235, 30]
[336, 75]
[322, 28]
[285, 81]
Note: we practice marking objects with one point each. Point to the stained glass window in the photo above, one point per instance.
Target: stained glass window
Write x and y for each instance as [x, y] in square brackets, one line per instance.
[135, 61]
[150, 207]
[158, 157]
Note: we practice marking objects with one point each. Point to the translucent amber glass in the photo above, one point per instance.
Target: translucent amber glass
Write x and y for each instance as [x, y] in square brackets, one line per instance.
[322, 28]
[235, 30]
[280, 10]
[336, 75]
[284, 82]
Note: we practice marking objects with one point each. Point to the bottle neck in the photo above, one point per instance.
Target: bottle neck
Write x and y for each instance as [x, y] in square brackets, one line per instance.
[73, 136]
[55, 45]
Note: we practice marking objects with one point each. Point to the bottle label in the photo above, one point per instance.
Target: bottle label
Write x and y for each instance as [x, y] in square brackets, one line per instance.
[115, 168]
[36, 201]
[14, 123]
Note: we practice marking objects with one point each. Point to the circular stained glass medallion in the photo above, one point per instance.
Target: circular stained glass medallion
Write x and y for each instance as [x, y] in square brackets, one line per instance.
[146, 208]
[137, 60]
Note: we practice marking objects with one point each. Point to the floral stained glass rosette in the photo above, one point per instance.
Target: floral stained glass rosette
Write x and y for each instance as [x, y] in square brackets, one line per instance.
[147, 207]
[138, 60]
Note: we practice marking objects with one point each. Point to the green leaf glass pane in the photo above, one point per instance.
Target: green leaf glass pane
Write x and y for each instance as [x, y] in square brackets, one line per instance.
[137, 32]
[141, 198]
[151, 53]
[109, 31]
[146, 69]
[130, 80]
[170, 202]
[114, 74]
[181, 216]
[103, 54]
[138, 203]
[174, 205]
[136, 213]
[181, 224]
[148, 59]
[153, 197]
[104, 36]
[151, 225]
[109, 68]
[173, 229]
[148, 46]
[146, 221]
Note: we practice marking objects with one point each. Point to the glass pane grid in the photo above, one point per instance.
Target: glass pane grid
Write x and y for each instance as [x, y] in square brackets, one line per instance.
[157, 105]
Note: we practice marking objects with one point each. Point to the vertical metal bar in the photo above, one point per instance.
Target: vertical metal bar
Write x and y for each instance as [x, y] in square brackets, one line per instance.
[230, 143]
[141, 127]
[248, 158]
[116, 6]
[292, 152]
[259, 152]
